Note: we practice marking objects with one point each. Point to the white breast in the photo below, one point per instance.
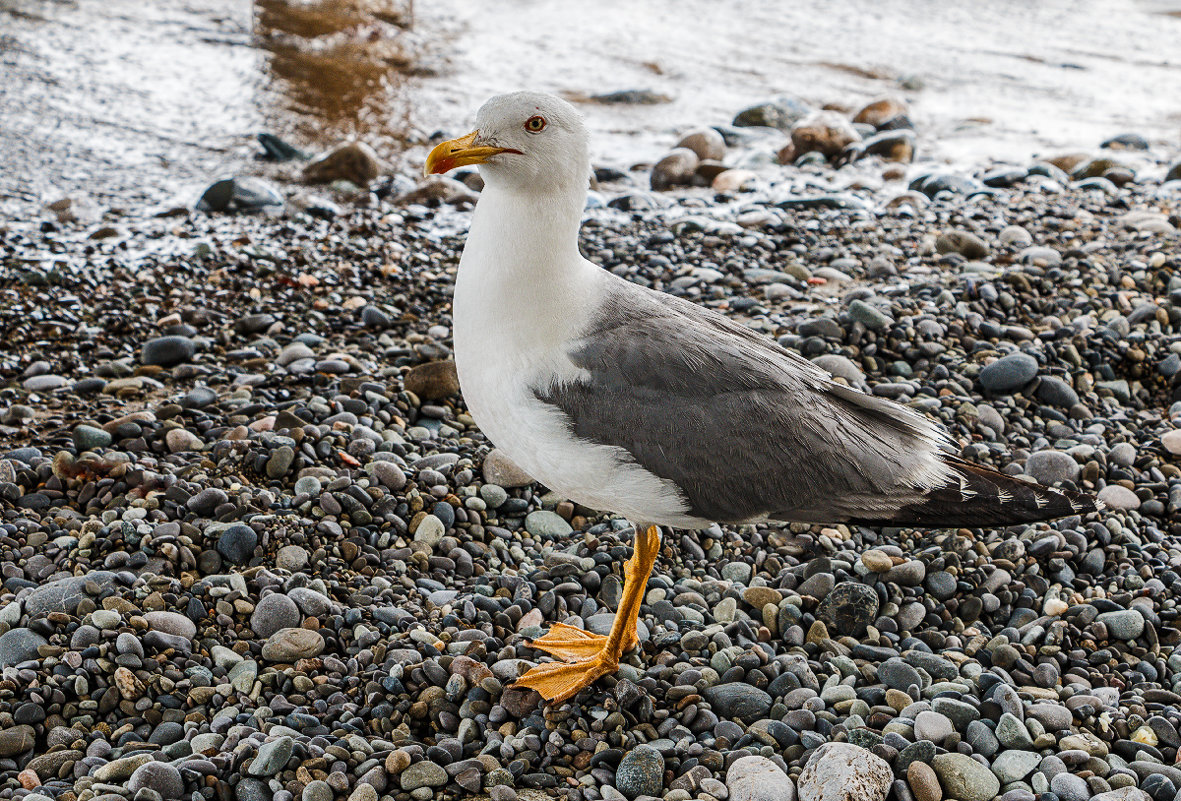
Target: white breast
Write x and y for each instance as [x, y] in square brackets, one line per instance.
[511, 337]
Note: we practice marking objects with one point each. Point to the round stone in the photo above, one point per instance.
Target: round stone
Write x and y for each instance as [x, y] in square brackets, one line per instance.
[19, 645]
[1050, 467]
[546, 524]
[706, 143]
[422, 774]
[237, 543]
[87, 438]
[1123, 624]
[840, 771]
[272, 613]
[1056, 392]
[924, 784]
[168, 351]
[288, 645]
[736, 700]
[1009, 373]
[848, 608]
[896, 674]
[433, 380]
[965, 243]
[640, 772]
[941, 585]
[1119, 497]
[159, 776]
[172, 623]
[675, 169]
[932, 726]
[965, 779]
[756, 778]
[292, 558]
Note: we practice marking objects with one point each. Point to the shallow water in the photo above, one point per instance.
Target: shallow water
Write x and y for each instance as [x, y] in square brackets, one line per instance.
[140, 103]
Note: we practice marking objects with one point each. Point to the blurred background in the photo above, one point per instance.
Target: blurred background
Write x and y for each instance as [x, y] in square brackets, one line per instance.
[140, 103]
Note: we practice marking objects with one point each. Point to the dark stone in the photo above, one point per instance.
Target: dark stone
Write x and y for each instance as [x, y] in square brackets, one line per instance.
[237, 543]
[736, 700]
[168, 351]
[1009, 373]
[848, 608]
[640, 772]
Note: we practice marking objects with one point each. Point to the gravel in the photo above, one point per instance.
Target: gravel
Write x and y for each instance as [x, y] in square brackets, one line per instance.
[254, 546]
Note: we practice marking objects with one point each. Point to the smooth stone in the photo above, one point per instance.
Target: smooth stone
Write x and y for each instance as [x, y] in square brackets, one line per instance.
[547, 524]
[1119, 497]
[251, 789]
[1124, 624]
[19, 645]
[422, 774]
[64, 594]
[16, 740]
[1069, 787]
[172, 623]
[1056, 392]
[87, 438]
[1013, 765]
[272, 613]
[293, 558]
[1050, 467]
[675, 169]
[1008, 373]
[1011, 733]
[706, 143]
[640, 772]
[502, 471]
[844, 772]
[981, 738]
[848, 608]
[871, 317]
[965, 779]
[756, 778]
[965, 243]
[237, 543]
[272, 756]
[290, 644]
[737, 700]
[923, 782]
[317, 790]
[433, 380]
[933, 726]
[162, 777]
[1054, 717]
[168, 351]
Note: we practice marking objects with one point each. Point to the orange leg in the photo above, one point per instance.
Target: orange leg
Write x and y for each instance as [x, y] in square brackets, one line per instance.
[588, 657]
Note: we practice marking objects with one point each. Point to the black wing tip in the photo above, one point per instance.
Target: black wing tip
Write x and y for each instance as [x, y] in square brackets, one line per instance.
[978, 497]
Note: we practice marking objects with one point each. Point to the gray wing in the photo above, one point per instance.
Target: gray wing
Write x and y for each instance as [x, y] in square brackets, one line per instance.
[745, 428]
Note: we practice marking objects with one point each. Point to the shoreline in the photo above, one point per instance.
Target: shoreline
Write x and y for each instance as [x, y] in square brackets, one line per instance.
[316, 585]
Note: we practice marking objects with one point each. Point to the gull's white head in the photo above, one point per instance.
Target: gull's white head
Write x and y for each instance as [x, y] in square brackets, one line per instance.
[526, 141]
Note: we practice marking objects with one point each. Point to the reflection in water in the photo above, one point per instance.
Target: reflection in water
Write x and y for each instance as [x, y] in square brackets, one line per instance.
[338, 64]
[176, 90]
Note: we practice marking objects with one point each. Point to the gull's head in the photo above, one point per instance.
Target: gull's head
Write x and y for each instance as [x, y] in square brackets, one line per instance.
[525, 140]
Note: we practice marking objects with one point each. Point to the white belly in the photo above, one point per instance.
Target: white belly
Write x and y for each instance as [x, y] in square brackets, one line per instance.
[537, 437]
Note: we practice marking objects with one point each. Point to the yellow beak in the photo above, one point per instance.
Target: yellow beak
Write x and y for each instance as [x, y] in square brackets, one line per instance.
[460, 153]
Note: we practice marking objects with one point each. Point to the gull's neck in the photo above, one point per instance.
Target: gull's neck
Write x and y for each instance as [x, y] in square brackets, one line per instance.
[522, 281]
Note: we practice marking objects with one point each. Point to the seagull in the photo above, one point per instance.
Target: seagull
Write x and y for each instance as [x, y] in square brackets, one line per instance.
[633, 401]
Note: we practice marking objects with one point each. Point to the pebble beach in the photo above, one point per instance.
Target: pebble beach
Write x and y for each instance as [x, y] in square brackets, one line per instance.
[253, 548]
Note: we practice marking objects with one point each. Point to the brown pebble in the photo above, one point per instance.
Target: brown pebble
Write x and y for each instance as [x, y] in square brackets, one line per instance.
[432, 380]
[924, 784]
[28, 779]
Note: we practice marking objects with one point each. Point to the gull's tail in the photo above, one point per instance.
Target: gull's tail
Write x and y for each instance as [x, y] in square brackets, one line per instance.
[976, 497]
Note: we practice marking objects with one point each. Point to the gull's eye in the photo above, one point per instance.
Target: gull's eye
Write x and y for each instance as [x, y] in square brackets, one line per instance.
[535, 124]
